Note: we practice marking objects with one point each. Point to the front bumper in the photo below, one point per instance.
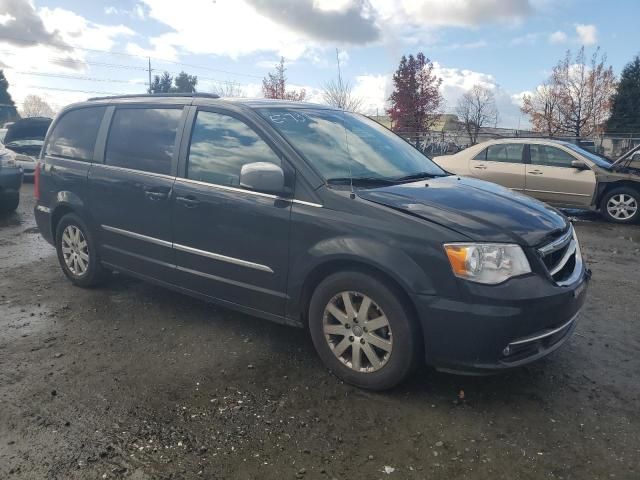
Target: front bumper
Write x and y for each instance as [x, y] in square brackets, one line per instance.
[500, 327]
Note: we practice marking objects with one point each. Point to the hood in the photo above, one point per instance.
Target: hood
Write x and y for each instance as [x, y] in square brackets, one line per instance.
[480, 210]
[27, 129]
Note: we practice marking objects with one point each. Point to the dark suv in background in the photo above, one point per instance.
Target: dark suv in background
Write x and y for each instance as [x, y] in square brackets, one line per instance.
[312, 217]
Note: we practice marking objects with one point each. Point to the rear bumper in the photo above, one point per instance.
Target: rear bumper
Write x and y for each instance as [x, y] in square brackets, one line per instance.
[10, 181]
[526, 320]
[42, 215]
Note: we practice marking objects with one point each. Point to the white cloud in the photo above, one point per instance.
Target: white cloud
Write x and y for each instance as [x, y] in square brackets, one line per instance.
[588, 34]
[376, 89]
[464, 13]
[558, 37]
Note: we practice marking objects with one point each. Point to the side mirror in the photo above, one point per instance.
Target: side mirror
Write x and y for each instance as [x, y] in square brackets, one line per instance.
[262, 177]
[579, 165]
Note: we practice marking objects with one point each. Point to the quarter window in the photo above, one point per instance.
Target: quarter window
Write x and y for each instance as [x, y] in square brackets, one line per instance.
[550, 156]
[143, 139]
[221, 145]
[74, 135]
[505, 153]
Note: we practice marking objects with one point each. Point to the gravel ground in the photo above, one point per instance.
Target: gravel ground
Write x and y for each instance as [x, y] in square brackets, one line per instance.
[133, 381]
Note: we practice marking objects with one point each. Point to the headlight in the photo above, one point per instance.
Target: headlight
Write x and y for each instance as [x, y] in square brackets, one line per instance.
[488, 263]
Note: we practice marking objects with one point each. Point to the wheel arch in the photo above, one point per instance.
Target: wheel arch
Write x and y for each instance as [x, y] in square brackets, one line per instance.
[607, 187]
[323, 270]
[67, 202]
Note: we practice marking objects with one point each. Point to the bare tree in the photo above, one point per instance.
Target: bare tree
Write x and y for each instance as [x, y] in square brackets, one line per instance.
[339, 93]
[477, 109]
[274, 85]
[228, 90]
[576, 100]
[543, 108]
[35, 106]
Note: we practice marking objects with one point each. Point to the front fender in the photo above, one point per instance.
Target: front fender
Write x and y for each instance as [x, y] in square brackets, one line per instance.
[391, 261]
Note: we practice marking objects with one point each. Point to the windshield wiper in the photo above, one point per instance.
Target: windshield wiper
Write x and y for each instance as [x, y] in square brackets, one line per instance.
[416, 176]
[360, 181]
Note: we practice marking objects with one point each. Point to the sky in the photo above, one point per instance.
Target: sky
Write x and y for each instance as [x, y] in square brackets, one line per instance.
[68, 50]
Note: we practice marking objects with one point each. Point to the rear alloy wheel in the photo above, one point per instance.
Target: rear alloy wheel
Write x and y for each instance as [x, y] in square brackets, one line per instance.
[77, 252]
[621, 206]
[362, 330]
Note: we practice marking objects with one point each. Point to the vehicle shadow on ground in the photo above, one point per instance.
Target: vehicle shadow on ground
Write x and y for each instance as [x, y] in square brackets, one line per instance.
[288, 350]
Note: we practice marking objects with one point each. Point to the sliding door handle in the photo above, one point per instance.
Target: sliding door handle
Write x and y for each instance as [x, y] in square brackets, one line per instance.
[189, 201]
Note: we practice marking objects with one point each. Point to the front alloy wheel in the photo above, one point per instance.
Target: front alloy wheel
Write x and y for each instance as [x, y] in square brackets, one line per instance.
[622, 206]
[364, 330]
[357, 332]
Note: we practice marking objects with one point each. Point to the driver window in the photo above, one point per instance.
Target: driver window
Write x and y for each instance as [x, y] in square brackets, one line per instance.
[221, 145]
[550, 156]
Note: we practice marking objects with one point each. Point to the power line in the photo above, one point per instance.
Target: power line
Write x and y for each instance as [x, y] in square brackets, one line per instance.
[78, 77]
[114, 80]
[38, 87]
[201, 67]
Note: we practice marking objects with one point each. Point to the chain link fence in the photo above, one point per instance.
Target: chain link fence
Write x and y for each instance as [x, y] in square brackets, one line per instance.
[434, 144]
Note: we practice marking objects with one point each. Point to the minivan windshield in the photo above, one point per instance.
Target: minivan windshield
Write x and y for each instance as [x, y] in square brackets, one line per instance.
[344, 146]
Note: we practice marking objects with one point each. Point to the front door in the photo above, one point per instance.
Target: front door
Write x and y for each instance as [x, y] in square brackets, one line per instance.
[230, 243]
[130, 193]
[551, 178]
[502, 164]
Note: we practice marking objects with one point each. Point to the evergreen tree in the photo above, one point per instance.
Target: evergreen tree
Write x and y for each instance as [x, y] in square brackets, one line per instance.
[185, 83]
[8, 111]
[625, 114]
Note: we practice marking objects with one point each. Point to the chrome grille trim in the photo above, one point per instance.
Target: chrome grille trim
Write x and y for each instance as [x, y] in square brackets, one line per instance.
[558, 243]
[568, 241]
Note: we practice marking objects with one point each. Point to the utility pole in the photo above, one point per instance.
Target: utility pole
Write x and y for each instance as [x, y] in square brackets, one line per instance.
[149, 89]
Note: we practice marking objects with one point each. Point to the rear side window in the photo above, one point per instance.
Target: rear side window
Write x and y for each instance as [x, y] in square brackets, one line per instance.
[221, 145]
[505, 153]
[550, 156]
[74, 135]
[143, 139]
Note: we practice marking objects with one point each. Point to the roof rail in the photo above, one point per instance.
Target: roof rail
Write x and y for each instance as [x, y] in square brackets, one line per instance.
[151, 95]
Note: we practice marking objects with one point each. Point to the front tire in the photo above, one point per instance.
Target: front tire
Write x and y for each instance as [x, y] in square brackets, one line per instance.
[362, 331]
[77, 252]
[621, 205]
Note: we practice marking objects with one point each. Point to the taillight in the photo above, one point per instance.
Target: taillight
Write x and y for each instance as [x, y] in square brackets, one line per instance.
[36, 182]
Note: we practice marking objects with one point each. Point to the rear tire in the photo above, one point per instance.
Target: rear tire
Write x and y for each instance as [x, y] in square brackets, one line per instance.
[77, 252]
[621, 205]
[362, 332]
[10, 204]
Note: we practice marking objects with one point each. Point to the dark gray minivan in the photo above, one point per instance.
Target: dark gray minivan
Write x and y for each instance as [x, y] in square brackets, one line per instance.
[313, 217]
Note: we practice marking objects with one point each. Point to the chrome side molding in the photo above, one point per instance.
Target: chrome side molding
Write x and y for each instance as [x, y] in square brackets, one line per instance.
[184, 248]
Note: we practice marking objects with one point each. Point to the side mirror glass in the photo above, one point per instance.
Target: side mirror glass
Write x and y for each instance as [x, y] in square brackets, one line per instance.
[579, 165]
[262, 177]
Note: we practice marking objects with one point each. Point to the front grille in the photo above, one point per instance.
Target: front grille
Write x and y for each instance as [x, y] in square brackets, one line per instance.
[562, 257]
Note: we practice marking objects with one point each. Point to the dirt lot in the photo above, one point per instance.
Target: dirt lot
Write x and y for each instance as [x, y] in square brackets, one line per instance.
[133, 381]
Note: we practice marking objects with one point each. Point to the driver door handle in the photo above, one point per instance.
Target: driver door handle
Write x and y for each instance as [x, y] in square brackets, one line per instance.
[535, 172]
[151, 195]
[480, 167]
